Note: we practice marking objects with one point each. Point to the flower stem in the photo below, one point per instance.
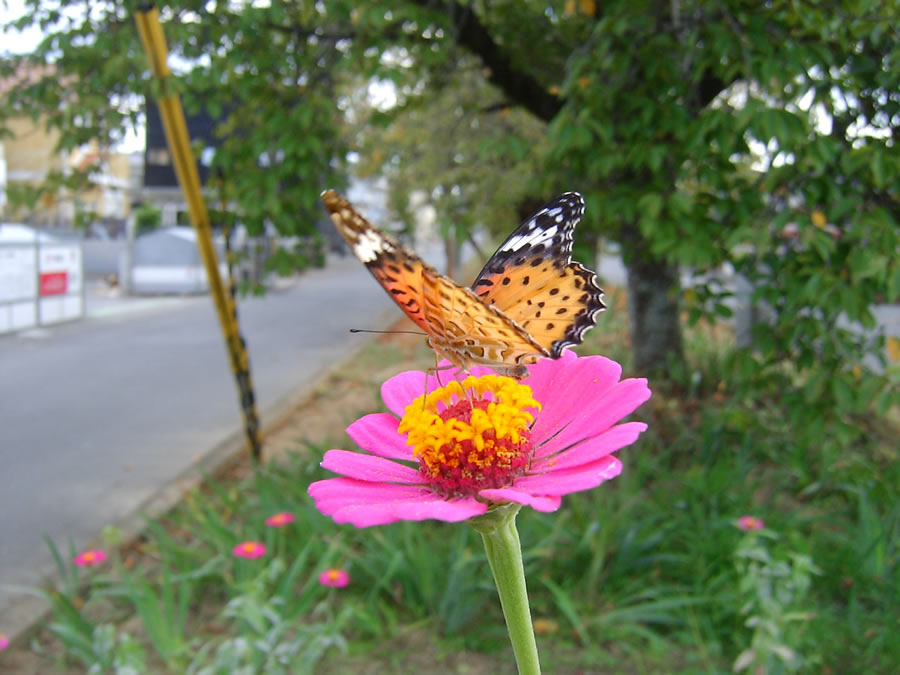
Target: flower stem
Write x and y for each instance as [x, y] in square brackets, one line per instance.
[504, 553]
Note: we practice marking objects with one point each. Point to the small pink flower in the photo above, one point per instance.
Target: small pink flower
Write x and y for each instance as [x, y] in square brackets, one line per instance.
[88, 558]
[280, 519]
[750, 523]
[249, 550]
[334, 577]
[4, 642]
[520, 445]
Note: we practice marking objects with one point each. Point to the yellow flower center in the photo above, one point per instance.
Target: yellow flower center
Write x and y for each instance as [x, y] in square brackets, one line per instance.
[471, 436]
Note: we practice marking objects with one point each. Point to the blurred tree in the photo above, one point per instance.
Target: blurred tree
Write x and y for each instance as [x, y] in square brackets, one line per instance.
[655, 111]
[147, 218]
[708, 136]
[697, 132]
[280, 141]
[478, 170]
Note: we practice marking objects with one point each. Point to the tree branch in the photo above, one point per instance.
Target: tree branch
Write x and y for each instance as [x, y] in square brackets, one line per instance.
[519, 86]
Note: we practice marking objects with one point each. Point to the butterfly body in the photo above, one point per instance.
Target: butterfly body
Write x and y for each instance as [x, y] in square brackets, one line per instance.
[530, 301]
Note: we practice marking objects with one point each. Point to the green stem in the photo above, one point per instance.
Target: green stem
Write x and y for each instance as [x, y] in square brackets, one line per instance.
[504, 553]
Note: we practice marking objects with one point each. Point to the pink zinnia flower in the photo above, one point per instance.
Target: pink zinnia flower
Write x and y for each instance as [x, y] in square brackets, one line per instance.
[88, 558]
[280, 519]
[249, 550]
[334, 577]
[524, 444]
[4, 642]
[750, 523]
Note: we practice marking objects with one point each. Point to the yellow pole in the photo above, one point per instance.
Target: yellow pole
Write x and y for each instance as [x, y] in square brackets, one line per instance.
[172, 115]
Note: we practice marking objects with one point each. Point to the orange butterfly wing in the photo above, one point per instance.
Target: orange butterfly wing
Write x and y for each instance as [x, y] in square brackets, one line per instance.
[533, 281]
[460, 327]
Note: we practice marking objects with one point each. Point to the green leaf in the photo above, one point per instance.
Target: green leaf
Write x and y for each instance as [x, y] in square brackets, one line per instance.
[650, 206]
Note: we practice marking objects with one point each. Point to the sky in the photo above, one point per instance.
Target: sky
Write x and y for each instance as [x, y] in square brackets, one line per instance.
[15, 42]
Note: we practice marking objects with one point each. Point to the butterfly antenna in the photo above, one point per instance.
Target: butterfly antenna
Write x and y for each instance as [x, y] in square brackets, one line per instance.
[388, 332]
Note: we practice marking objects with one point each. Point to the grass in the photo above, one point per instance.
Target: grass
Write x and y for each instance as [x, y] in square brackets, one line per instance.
[647, 574]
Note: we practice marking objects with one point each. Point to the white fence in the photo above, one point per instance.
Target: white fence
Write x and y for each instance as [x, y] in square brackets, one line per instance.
[41, 283]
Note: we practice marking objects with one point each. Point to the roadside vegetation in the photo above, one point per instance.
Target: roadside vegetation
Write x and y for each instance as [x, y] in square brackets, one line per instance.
[649, 573]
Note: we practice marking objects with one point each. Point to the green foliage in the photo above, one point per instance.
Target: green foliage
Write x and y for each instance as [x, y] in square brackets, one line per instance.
[279, 135]
[269, 641]
[641, 569]
[772, 588]
[162, 606]
[480, 169]
[83, 219]
[147, 218]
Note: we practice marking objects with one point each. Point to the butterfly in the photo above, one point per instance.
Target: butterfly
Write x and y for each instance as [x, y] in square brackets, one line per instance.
[530, 300]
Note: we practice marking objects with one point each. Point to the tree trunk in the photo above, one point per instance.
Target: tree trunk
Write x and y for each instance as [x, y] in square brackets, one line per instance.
[653, 290]
[451, 251]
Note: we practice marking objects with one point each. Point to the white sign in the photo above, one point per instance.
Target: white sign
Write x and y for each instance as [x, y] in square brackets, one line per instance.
[58, 261]
[18, 273]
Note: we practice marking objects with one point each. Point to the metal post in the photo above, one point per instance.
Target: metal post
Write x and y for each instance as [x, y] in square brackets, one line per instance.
[37, 278]
[126, 260]
[175, 126]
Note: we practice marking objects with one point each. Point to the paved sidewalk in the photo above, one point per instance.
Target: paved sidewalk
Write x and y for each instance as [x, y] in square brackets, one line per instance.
[101, 301]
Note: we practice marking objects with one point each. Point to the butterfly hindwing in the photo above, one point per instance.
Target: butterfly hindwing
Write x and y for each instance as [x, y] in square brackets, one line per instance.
[533, 281]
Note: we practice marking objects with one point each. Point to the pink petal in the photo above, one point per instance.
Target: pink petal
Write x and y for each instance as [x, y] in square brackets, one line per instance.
[369, 468]
[544, 504]
[594, 412]
[377, 433]
[592, 449]
[365, 504]
[400, 390]
[545, 375]
[565, 389]
[579, 478]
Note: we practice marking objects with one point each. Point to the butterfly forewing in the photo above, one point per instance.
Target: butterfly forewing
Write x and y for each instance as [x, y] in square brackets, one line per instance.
[459, 325]
[533, 281]
[397, 269]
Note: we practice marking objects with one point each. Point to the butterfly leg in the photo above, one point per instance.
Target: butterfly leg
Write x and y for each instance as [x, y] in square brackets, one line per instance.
[466, 391]
[435, 370]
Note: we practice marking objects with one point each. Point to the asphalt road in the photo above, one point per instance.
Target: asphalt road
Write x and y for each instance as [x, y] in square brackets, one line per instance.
[97, 415]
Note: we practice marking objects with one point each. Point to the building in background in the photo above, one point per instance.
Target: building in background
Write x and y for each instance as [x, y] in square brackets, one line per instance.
[159, 186]
[31, 153]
